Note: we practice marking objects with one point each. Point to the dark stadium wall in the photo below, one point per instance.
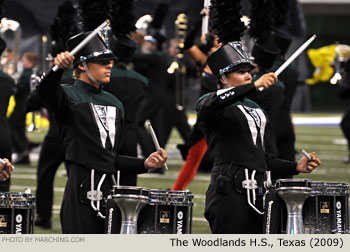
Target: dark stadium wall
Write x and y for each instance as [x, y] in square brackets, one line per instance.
[36, 16]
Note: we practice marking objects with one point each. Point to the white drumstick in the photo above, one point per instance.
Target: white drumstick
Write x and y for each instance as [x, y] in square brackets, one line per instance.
[306, 154]
[155, 140]
[85, 41]
[295, 54]
[292, 57]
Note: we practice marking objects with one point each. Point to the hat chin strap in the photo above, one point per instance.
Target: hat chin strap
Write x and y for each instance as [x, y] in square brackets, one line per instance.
[89, 74]
[225, 81]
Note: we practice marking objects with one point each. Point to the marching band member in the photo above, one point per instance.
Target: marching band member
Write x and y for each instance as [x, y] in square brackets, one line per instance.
[90, 122]
[236, 132]
[237, 135]
[7, 85]
[18, 117]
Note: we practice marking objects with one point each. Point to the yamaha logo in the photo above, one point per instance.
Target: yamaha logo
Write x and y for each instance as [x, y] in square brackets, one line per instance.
[338, 205]
[339, 217]
[19, 218]
[180, 215]
[179, 226]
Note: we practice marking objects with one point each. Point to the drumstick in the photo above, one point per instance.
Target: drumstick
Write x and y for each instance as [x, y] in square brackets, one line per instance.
[85, 41]
[155, 140]
[306, 154]
[3, 163]
[292, 57]
[295, 54]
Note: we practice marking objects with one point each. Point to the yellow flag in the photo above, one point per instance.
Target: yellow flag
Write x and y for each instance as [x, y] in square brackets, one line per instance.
[321, 59]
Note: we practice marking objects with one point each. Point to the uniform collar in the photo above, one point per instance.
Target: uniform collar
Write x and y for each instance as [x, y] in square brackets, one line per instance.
[88, 87]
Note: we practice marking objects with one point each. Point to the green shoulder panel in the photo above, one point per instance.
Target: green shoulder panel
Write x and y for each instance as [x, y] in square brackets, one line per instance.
[280, 84]
[78, 95]
[72, 95]
[68, 73]
[202, 97]
[249, 103]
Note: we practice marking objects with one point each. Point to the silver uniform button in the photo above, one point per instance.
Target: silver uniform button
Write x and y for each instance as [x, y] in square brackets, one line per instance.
[222, 97]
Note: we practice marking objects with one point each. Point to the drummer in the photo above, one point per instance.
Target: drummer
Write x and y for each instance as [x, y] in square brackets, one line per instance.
[5, 169]
[237, 133]
[90, 121]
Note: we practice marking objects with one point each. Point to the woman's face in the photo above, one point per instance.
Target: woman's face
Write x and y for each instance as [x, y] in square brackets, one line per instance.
[240, 77]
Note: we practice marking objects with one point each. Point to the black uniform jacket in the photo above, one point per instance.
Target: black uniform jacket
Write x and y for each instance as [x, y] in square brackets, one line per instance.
[90, 122]
[7, 85]
[236, 131]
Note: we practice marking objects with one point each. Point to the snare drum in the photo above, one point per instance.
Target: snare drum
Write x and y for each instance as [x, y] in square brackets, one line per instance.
[168, 212]
[326, 211]
[16, 213]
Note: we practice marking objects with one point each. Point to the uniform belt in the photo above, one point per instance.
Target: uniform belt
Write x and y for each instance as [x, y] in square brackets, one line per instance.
[236, 175]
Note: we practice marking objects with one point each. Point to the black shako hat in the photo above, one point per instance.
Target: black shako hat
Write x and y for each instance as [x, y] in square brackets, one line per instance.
[265, 53]
[95, 48]
[123, 48]
[228, 58]
[2, 45]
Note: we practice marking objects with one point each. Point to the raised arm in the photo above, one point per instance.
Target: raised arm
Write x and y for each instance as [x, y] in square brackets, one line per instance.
[49, 89]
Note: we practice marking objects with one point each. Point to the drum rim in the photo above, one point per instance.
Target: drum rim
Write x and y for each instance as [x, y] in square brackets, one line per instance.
[133, 196]
[17, 200]
[294, 188]
[135, 188]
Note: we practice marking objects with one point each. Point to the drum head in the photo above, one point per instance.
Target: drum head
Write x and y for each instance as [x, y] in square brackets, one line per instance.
[293, 184]
[130, 190]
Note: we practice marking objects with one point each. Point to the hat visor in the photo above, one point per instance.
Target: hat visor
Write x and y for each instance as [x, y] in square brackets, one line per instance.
[96, 56]
[239, 66]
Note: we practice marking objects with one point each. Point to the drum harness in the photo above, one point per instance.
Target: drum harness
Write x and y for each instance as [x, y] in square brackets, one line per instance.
[251, 185]
[97, 195]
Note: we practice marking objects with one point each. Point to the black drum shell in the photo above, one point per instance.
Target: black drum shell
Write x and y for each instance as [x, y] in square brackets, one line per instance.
[16, 213]
[326, 210]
